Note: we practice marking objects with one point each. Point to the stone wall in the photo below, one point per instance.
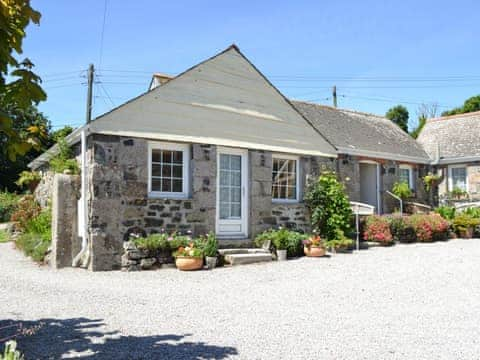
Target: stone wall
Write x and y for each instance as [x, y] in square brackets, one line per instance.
[292, 216]
[65, 241]
[120, 205]
[44, 190]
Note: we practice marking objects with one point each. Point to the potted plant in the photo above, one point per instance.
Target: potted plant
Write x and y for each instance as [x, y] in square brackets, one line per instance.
[464, 225]
[280, 241]
[188, 257]
[339, 243]
[314, 246]
[210, 248]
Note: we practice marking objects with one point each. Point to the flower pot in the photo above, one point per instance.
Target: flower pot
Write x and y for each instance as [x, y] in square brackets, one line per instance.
[281, 255]
[314, 251]
[188, 263]
[211, 262]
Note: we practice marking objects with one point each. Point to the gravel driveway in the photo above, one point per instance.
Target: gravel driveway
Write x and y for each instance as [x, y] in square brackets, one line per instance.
[418, 301]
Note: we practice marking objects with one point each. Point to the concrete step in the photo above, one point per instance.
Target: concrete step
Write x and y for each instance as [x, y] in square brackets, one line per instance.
[249, 258]
[242, 251]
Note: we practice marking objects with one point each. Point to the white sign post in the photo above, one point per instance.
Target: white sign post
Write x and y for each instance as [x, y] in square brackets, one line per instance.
[360, 209]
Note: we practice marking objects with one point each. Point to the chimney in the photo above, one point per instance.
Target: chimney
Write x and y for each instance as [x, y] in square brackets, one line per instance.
[159, 79]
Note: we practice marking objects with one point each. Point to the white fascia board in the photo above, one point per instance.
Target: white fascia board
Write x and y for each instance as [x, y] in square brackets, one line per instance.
[458, 160]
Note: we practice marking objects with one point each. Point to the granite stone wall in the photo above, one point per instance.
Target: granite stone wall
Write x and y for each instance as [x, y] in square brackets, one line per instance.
[120, 205]
[44, 190]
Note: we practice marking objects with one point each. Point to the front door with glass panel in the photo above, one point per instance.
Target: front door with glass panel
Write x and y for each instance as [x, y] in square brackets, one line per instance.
[232, 192]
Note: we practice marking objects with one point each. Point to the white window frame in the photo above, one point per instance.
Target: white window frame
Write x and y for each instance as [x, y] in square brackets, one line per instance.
[411, 182]
[185, 148]
[450, 177]
[297, 171]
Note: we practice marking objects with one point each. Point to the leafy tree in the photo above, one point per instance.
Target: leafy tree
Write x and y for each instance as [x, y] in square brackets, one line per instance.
[24, 89]
[22, 120]
[399, 115]
[424, 112]
[56, 135]
[470, 105]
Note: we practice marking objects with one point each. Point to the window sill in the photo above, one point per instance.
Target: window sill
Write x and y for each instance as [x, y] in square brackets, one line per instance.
[280, 201]
[167, 196]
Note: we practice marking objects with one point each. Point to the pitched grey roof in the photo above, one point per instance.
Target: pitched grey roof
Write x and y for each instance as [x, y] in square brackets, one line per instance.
[363, 134]
[452, 138]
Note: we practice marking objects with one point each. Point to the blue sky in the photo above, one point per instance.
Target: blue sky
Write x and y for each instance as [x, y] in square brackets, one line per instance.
[378, 53]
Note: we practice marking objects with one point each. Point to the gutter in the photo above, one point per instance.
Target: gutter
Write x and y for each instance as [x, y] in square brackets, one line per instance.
[382, 155]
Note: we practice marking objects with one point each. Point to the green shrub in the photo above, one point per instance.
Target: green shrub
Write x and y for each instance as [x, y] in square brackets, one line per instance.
[283, 239]
[36, 237]
[329, 206]
[8, 203]
[161, 242]
[340, 241]
[472, 212]
[447, 212]
[11, 352]
[64, 160]
[28, 177]
[4, 236]
[457, 193]
[209, 244]
[402, 190]
[27, 208]
[402, 229]
[464, 222]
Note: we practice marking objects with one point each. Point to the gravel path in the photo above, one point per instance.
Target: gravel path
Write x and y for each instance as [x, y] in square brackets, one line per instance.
[418, 301]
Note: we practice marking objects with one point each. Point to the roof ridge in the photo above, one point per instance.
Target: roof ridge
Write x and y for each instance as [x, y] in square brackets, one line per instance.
[448, 117]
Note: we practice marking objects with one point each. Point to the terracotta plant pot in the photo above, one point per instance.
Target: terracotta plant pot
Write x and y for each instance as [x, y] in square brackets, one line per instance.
[466, 234]
[314, 251]
[187, 263]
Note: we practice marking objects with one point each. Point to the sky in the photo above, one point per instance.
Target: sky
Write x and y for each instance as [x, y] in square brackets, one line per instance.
[377, 53]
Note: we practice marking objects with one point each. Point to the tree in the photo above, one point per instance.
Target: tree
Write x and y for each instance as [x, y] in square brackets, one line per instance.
[470, 105]
[22, 120]
[60, 134]
[399, 115]
[24, 89]
[424, 112]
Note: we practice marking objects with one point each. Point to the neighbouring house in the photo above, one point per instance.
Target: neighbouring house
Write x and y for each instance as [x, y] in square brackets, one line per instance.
[373, 154]
[454, 146]
[216, 148]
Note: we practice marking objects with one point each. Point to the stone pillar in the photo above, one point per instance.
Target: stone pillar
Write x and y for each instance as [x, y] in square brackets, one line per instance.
[260, 192]
[64, 219]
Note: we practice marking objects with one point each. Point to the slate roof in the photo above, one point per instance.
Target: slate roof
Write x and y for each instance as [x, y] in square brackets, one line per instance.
[452, 138]
[362, 134]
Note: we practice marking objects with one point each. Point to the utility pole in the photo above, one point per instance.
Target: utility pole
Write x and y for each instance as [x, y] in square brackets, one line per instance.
[90, 73]
[334, 95]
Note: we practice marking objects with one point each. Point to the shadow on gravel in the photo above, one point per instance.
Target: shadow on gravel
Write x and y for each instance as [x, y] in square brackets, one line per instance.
[88, 338]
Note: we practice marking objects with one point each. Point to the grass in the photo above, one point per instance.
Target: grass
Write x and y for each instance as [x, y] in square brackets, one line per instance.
[4, 237]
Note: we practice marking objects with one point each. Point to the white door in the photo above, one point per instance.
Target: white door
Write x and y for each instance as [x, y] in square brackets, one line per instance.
[369, 184]
[232, 192]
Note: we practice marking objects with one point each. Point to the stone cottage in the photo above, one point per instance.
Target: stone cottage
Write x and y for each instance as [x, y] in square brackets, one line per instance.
[454, 146]
[373, 154]
[217, 148]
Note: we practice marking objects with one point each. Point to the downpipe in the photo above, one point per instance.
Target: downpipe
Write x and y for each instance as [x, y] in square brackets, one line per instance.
[83, 257]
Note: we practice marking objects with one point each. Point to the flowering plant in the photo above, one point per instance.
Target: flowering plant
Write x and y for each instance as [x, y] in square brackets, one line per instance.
[377, 228]
[188, 251]
[315, 240]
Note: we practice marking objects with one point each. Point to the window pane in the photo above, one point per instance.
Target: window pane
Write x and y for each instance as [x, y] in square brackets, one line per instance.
[177, 185]
[235, 162]
[224, 210]
[236, 194]
[235, 179]
[166, 185]
[235, 210]
[224, 178]
[156, 184]
[156, 155]
[178, 157]
[459, 178]
[177, 171]
[156, 169]
[224, 162]
[166, 170]
[284, 179]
